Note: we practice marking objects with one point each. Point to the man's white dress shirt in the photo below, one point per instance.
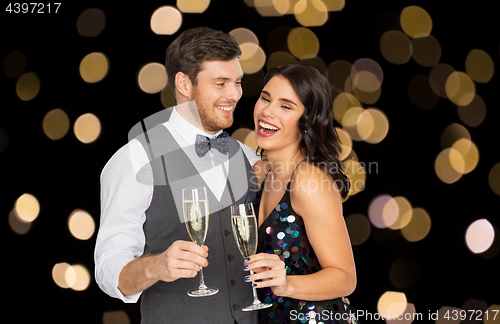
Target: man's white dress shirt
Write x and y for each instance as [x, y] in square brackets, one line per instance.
[124, 201]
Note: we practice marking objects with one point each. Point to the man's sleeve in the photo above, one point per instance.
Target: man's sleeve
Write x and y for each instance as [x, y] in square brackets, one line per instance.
[124, 201]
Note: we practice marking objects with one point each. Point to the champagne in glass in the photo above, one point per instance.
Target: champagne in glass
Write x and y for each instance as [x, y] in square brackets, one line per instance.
[245, 233]
[196, 214]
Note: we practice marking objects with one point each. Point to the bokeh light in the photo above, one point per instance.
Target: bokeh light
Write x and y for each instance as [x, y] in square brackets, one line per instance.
[426, 51]
[55, 124]
[115, 317]
[453, 133]
[82, 278]
[383, 211]
[193, 6]
[449, 165]
[460, 88]
[272, 8]
[469, 152]
[338, 72]
[91, 22]
[14, 64]
[367, 75]
[152, 78]
[252, 58]
[391, 303]
[81, 224]
[357, 176]
[396, 47]
[438, 77]
[246, 136]
[494, 178]
[27, 207]
[311, 13]
[474, 113]
[368, 98]
[28, 86]
[87, 128]
[61, 272]
[480, 236]
[334, 5]
[416, 22]
[342, 103]
[166, 20]
[167, 97]
[303, 43]
[380, 126]
[405, 213]
[479, 66]
[358, 123]
[418, 227]
[359, 228]
[278, 58]
[94, 67]
[244, 35]
[17, 225]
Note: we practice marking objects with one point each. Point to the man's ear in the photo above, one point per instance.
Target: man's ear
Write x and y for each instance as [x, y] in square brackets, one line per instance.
[183, 85]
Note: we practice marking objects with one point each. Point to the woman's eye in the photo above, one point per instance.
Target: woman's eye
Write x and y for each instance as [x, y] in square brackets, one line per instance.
[264, 99]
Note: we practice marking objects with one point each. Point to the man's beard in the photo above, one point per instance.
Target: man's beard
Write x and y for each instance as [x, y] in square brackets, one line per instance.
[209, 119]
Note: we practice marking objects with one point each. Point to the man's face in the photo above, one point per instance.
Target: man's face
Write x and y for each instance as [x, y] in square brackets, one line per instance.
[217, 91]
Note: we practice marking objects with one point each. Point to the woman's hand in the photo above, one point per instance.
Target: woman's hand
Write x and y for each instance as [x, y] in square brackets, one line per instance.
[271, 270]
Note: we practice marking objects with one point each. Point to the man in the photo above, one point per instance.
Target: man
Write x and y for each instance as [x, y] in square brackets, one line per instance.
[143, 248]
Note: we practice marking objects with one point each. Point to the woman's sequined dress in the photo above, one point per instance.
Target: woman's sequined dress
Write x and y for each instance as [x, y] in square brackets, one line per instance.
[283, 233]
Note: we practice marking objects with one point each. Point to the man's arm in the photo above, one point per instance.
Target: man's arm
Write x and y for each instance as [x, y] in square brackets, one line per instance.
[120, 270]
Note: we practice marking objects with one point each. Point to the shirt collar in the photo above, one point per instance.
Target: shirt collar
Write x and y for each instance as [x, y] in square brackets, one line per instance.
[186, 130]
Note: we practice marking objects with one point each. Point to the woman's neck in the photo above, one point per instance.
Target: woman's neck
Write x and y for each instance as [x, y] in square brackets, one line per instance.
[282, 164]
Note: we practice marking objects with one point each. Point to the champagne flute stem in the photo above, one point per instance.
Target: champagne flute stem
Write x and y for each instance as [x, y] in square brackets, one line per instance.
[255, 297]
[202, 280]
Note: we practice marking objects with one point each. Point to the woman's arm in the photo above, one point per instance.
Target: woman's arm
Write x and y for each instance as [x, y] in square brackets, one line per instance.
[316, 198]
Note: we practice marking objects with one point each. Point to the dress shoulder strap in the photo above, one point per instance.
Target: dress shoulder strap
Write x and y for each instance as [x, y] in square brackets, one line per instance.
[296, 169]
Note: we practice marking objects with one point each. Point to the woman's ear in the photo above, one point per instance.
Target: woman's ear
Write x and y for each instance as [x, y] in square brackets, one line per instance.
[183, 86]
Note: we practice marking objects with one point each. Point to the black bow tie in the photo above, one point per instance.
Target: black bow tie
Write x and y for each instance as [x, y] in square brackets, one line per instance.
[203, 144]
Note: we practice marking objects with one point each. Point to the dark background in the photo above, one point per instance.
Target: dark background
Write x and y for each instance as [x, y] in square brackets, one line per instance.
[64, 175]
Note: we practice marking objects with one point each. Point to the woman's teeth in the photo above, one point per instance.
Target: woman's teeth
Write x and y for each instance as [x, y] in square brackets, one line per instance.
[264, 127]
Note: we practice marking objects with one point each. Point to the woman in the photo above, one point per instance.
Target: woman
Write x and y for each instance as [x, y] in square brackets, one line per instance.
[307, 263]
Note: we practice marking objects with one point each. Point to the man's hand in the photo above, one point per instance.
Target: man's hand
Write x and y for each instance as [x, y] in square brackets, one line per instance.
[182, 259]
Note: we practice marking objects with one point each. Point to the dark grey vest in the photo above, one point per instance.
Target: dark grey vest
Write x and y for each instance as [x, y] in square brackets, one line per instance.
[168, 302]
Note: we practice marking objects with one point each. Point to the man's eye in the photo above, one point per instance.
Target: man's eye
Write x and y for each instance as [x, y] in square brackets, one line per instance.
[220, 84]
[265, 99]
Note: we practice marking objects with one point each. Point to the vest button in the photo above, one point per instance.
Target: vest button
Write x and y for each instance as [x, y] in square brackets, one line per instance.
[226, 232]
[230, 257]
[235, 307]
[232, 282]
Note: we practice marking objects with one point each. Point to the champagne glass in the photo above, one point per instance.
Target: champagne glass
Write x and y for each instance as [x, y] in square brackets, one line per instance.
[195, 203]
[245, 233]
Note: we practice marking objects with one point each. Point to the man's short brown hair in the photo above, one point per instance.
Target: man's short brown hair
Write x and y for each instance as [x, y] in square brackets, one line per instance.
[195, 46]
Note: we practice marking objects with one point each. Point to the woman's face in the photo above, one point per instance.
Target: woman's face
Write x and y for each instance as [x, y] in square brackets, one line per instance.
[276, 117]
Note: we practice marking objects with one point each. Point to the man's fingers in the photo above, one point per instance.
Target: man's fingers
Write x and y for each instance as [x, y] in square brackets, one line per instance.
[190, 246]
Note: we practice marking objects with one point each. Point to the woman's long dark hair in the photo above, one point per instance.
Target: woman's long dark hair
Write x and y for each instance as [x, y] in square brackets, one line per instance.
[319, 137]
